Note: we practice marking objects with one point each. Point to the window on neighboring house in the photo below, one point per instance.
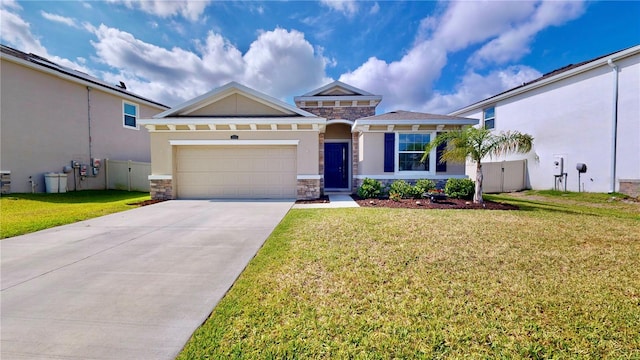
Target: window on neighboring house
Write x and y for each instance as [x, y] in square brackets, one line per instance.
[489, 117]
[410, 151]
[130, 115]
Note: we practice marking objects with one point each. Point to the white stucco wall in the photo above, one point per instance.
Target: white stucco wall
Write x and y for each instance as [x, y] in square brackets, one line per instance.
[45, 125]
[573, 118]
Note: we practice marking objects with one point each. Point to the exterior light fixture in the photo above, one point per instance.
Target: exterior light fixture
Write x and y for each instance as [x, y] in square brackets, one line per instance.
[234, 137]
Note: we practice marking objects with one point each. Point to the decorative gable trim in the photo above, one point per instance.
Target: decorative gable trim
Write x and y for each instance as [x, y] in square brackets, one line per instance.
[229, 89]
[351, 90]
[235, 124]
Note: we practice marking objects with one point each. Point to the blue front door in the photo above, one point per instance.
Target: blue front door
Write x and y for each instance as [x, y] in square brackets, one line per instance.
[336, 170]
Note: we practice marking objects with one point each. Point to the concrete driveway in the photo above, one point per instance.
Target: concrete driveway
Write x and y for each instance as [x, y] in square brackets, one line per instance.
[131, 285]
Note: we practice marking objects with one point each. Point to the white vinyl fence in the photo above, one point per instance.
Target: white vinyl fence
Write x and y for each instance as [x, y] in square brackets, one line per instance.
[502, 176]
[127, 175]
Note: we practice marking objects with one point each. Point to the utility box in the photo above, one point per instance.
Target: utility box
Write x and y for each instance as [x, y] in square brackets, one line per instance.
[558, 165]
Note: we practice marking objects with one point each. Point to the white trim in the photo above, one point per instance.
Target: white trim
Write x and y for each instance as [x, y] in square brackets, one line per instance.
[327, 99]
[361, 122]
[309, 177]
[94, 84]
[340, 121]
[232, 142]
[411, 177]
[124, 125]
[543, 82]
[432, 154]
[339, 84]
[227, 90]
[160, 177]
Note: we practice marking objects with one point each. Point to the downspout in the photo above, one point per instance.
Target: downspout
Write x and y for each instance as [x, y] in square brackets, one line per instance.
[89, 119]
[614, 126]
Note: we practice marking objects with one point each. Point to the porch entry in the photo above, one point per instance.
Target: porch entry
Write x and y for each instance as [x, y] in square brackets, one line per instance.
[336, 165]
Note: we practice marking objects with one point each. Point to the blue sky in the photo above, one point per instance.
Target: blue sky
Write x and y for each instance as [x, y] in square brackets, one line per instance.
[420, 55]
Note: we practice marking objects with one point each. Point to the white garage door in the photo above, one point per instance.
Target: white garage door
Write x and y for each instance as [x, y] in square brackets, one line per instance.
[236, 172]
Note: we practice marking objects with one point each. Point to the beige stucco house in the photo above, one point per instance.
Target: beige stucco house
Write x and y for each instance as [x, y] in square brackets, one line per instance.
[235, 142]
[52, 115]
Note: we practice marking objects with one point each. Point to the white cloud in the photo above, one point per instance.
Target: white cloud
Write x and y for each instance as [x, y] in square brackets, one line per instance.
[347, 7]
[505, 28]
[374, 9]
[474, 87]
[191, 10]
[10, 4]
[513, 44]
[59, 19]
[16, 32]
[279, 63]
[405, 83]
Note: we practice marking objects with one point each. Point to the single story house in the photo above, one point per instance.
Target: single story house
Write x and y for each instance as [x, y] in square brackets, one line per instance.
[236, 142]
[55, 117]
[586, 113]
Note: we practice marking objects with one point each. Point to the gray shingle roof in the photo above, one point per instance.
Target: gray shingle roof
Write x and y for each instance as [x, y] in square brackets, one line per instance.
[46, 63]
[410, 115]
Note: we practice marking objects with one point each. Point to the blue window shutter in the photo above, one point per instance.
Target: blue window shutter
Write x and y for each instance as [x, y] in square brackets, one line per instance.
[389, 152]
[439, 150]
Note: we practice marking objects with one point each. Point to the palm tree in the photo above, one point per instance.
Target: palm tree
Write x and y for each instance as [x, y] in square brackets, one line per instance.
[475, 144]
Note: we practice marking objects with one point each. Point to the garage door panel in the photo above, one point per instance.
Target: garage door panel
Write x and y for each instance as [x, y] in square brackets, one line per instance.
[236, 172]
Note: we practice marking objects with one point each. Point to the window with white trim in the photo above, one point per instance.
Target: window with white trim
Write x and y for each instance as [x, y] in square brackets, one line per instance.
[129, 115]
[489, 117]
[410, 151]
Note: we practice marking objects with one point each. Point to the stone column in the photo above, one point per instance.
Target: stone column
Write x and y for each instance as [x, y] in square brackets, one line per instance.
[355, 151]
[321, 161]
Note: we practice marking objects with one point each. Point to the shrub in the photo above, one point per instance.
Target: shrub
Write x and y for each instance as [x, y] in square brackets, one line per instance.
[460, 188]
[400, 188]
[423, 186]
[370, 188]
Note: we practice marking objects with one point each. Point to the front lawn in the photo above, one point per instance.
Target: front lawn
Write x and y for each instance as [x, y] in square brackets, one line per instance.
[25, 213]
[558, 279]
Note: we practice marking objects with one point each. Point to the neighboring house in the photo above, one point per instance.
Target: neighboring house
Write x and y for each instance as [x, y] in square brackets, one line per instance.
[235, 142]
[53, 116]
[586, 113]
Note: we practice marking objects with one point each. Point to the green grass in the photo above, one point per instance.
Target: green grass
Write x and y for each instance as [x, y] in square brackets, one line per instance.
[25, 213]
[559, 279]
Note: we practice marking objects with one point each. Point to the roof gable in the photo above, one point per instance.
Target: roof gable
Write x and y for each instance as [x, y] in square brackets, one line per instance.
[337, 88]
[234, 100]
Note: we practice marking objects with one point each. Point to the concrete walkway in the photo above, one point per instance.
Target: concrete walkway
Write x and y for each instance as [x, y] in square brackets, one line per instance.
[335, 201]
[131, 285]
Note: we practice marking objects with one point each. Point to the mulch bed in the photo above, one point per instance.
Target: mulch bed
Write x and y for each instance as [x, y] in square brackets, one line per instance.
[426, 204]
[322, 200]
[146, 202]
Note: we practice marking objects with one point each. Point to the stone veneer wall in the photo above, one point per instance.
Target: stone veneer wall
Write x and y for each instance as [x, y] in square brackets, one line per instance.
[355, 152]
[308, 189]
[321, 162]
[630, 187]
[5, 181]
[347, 113]
[161, 189]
